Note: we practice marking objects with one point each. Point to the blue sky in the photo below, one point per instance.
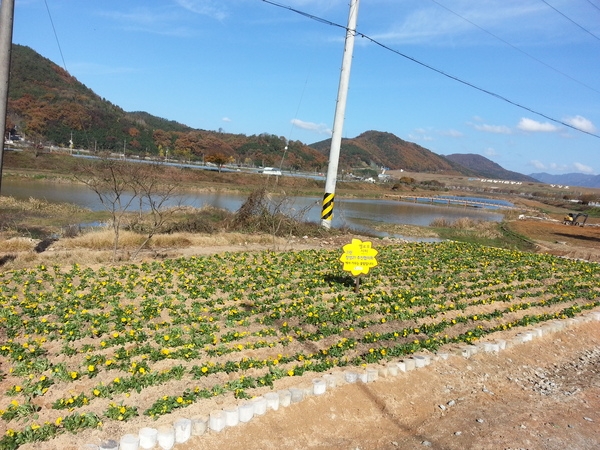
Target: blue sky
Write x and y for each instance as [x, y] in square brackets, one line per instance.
[246, 66]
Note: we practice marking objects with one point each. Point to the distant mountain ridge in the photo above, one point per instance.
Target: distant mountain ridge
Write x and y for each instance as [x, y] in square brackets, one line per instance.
[568, 179]
[381, 149]
[47, 105]
[486, 167]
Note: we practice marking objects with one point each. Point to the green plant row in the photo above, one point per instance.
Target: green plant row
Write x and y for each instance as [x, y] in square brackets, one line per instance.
[261, 316]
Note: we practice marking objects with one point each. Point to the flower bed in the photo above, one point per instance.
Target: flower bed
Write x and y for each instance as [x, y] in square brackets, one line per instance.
[78, 344]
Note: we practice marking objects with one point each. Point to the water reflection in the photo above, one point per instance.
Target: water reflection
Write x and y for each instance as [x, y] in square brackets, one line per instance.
[352, 213]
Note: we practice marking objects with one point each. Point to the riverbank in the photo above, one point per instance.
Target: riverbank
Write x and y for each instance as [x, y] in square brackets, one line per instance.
[34, 231]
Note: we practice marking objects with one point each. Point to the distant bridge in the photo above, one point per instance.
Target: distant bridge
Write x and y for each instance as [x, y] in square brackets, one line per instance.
[448, 201]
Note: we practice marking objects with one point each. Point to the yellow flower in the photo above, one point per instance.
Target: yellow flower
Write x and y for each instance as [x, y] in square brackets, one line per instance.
[291, 373]
[204, 369]
[96, 392]
[91, 368]
[179, 400]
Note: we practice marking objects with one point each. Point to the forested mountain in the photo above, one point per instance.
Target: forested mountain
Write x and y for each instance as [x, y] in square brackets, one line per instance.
[486, 168]
[375, 148]
[49, 106]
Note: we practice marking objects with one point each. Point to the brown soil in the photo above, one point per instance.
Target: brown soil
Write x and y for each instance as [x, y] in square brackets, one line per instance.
[553, 237]
[544, 394]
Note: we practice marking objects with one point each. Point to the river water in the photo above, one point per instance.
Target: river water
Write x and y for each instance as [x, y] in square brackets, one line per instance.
[353, 213]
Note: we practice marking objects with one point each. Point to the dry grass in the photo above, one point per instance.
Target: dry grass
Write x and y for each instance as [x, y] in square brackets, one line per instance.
[18, 244]
[484, 229]
[95, 247]
[34, 204]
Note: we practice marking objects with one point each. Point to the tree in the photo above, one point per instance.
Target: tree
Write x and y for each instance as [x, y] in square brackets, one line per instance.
[155, 194]
[120, 186]
[217, 158]
[114, 182]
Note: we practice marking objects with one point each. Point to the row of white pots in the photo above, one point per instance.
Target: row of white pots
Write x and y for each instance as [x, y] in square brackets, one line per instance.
[166, 437]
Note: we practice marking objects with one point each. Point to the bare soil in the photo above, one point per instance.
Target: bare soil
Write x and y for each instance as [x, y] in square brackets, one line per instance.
[544, 394]
[553, 237]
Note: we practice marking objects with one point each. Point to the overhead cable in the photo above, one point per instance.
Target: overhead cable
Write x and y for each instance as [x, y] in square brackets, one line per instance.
[571, 20]
[515, 48]
[441, 72]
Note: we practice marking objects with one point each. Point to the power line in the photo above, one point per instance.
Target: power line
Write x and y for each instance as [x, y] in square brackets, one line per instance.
[570, 20]
[514, 47]
[65, 67]
[441, 72]
[56, 36]
[594, 5]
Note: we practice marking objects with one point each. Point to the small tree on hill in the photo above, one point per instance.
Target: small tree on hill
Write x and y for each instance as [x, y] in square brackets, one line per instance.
[219, 159]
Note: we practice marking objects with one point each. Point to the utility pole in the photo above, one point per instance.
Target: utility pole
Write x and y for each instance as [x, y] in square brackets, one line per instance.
[338, 120]
[7, 12]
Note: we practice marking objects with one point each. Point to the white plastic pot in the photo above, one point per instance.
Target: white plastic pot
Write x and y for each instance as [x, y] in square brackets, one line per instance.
[285, 398]
[297, 395]
[148, 438]
[232, 416]
[216, 421]
[166, 438]
[183, 430]
[351, 377]
[246, 412]
[319, 386]
[260, 405]
[109, 445]
[272, 399]
[129, 442]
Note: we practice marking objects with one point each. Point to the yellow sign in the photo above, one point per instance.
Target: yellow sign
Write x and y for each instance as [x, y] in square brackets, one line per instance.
[358, 257]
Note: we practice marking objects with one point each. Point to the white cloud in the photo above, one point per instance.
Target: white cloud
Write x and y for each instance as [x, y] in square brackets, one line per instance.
[226, 119]
[583, 168]
[565, 168]
[581, 123]
[420, 134]
[496, 129]
[319, 128]
[490, 151]
[455, 22]
[451, 133]
[531, 125]
[210, 8]
[537, 164]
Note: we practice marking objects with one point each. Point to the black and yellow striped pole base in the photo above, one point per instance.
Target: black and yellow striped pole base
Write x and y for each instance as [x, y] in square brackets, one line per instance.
[327, 212]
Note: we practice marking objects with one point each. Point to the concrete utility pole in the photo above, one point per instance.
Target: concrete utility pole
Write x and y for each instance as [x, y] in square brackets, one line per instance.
[338, 120]
[7, 10]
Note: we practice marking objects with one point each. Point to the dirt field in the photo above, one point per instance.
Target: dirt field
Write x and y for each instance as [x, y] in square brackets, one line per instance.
[544, 394]
[563, 240]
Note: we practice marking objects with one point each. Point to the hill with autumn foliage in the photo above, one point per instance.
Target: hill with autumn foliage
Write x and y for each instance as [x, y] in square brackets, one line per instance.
[376, 148]
[49, 107]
